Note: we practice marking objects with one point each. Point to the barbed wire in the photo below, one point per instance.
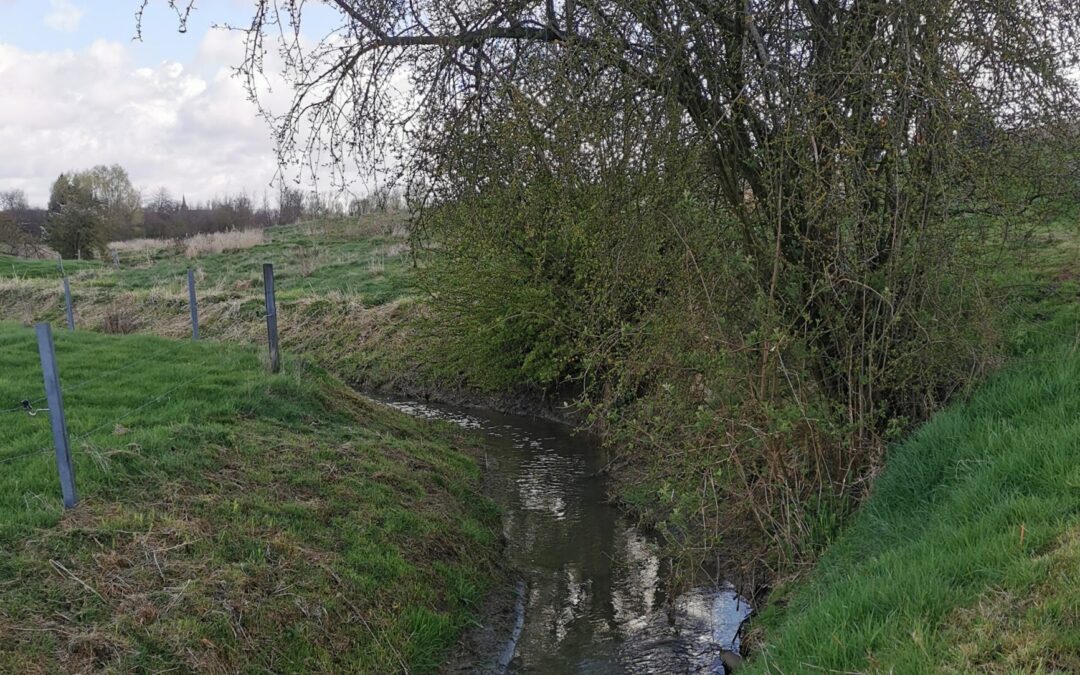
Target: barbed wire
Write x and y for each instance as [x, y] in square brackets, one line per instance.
[144, 406]
[41, 451]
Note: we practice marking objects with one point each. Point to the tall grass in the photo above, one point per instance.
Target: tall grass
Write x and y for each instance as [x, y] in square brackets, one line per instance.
[143, 245]
[218, 242]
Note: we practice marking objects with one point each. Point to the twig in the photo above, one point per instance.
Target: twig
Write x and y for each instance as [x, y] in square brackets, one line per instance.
[60, 566]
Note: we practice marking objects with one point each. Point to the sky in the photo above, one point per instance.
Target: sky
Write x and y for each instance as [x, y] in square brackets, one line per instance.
[76, 90]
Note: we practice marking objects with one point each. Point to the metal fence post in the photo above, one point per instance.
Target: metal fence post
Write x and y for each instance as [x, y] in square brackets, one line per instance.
[56, 413]
[67, 302]
[271, 317]
[194, 304]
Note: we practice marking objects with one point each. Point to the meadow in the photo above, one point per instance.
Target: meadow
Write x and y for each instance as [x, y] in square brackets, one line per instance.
[346, 292]
[369, 260]
[229, 519]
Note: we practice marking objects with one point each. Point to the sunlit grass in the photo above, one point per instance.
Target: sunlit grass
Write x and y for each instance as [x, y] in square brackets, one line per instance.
[229, 520]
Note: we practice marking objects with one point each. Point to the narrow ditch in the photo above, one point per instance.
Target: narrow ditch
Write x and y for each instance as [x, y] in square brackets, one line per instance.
[593, 596]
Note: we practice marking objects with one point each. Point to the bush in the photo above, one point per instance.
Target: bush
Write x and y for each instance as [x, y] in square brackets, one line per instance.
[633, 291]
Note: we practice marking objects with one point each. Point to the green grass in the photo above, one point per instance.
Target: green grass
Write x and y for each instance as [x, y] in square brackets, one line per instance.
[966, 557]
[345, 289]
[229, 520]
[361, 259]
[11, 266]
[310, 260]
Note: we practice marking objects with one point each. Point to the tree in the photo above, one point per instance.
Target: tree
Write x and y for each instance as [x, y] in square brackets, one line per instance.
[835, 134]
[12, 238]
[162, 202]
[118, 199]
[830, 161]
[75, 226]
[13, 200]
[290, 204]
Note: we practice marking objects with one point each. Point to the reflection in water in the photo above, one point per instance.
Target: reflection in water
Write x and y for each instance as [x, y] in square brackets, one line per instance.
[595, 600]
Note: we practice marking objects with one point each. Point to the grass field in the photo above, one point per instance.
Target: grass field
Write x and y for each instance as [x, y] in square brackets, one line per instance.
[367, 260]
[11, 266]
[229, 520]
[345, 289]
[966, 557]
[310, 259]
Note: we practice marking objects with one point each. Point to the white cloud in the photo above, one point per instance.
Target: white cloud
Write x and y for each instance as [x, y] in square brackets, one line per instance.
[186, 127]
[64, 16]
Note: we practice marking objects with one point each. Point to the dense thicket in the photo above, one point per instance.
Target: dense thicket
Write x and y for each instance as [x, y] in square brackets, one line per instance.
[746, 232]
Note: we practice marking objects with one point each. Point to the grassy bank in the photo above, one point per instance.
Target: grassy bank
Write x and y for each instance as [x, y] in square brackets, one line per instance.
[345, 293]
[229, 520]
[966, 556]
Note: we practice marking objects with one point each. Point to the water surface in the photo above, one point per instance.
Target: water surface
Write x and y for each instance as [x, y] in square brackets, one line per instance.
[594, 587]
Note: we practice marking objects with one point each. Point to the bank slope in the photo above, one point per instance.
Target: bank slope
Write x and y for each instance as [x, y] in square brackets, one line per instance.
[967, 555]
[229, 520]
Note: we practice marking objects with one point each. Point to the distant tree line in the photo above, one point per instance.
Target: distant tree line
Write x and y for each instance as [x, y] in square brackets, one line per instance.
[166, 216]
[88, 209]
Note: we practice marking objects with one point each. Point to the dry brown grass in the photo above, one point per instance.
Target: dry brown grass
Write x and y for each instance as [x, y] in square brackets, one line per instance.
[217, 242]
[144, 245]
[308, 259]
[394, 250]
[121, 316]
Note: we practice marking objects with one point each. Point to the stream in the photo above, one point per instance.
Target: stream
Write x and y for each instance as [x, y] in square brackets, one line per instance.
[593, 596]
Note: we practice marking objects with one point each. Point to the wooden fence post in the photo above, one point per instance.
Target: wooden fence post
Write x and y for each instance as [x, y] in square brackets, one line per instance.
[194, 304]
[67, 302]
[271, 317]
[57, 420]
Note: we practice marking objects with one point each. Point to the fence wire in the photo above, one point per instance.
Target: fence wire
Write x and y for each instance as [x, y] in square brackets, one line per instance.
[35, 453]
[85, 383]
[28, 405]
[144, 406]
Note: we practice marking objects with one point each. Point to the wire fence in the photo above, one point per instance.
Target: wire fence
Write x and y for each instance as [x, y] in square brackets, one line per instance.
[29, 407]
[112, 424]
[57, 395]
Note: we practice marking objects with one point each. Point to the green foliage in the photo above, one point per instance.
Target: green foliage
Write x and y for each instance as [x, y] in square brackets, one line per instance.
[119, 201]
[630, 287]
[76, 225]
